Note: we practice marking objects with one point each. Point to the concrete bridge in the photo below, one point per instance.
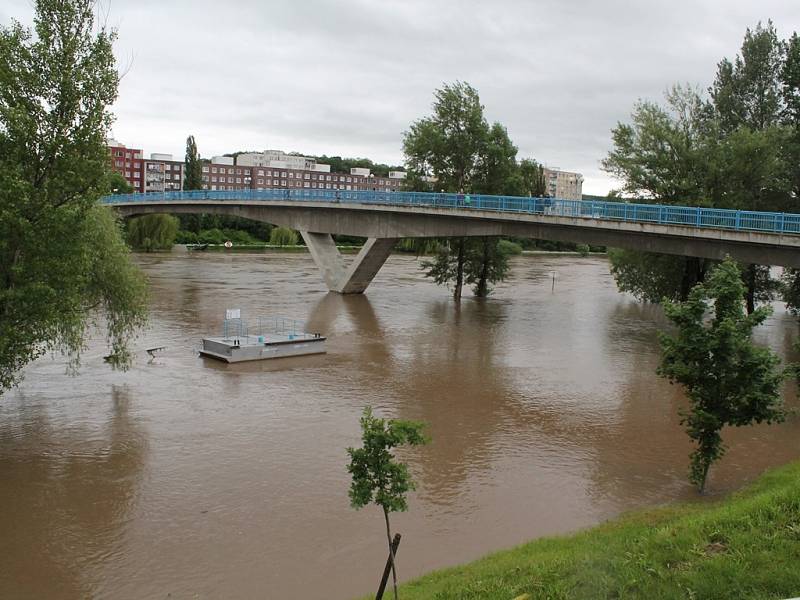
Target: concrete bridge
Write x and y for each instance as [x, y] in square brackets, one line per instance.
[384, 217]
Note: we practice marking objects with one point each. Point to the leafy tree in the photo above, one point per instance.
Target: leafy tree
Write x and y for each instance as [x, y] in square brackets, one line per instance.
[283, 236]
[458, 147]
[448, 265]
[449, 144]
[728, 380]
[487, 263]
[533, 180]
[63, 262]
[651, 277]
[193, 169]
[117, 184]
[152, 232]
[377, 477]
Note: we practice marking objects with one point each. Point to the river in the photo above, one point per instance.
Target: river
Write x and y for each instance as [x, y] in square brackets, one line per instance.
[189, 478]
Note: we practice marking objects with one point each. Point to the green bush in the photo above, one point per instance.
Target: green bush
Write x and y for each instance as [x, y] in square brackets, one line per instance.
[508, 247]
[186, 237]
[211, 236]
[283, 236]
[583, 249]
[238, 236]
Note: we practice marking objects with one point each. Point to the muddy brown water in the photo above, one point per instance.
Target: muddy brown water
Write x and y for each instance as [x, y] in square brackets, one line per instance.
[188, 478]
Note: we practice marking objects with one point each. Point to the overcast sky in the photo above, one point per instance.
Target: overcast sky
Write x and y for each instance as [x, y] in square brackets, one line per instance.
[348, 77]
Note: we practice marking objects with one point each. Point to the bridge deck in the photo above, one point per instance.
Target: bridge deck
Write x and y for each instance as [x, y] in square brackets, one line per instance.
[685, 216]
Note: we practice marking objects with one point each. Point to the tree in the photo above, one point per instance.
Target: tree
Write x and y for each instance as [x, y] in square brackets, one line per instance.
[193, 172]
[457, 146]
[377, 477]
[729, 381]
[117, 184]
[487, 263]
[63, 262]
[533, 180]
[152, 232]
[283, 236]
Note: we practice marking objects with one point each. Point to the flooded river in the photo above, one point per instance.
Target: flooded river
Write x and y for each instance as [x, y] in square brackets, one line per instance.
[188, 478]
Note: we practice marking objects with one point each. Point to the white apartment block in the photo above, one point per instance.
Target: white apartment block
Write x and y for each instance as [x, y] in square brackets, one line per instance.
[563, 184]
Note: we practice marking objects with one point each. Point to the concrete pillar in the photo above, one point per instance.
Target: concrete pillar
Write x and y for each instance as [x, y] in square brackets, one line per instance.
[340, 276]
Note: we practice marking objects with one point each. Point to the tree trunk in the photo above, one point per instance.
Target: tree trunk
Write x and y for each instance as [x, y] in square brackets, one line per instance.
[749, 276]
[462, 258]
[391, 551]
[694, 272]
[483, 284]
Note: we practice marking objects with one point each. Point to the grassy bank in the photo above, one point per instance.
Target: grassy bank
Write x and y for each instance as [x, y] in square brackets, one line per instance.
[746, 546]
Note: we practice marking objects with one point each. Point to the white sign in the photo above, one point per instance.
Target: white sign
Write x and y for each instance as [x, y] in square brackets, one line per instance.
[233, 313]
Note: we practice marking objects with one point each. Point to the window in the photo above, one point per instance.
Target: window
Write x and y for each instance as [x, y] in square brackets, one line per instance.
[238, 180]
[205, 177]
[269, 173]
[306, 176]
[283, 182]
[205, 169]
[291, 175]
[136, 174]
[349, 187]
[275, 182]
[341, 179]
[230, 180]
[306, 184]
[213, 187]
[314, 185]
[214, 179]
[238, 171]
[127, 173]
[260, 180]
[328, 186]
[213, 169]
[261, 171]
[119, 153]
[230, 171]
[118, 163]
[329, 178]
[283, 174]
[349, 179]
[168, 167]
[177, 176]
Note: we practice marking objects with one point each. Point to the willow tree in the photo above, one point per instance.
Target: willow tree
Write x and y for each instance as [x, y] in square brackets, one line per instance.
[63, 262]
[729, 381]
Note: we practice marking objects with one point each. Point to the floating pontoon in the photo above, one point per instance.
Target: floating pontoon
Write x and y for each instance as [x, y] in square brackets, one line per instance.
[270, 338]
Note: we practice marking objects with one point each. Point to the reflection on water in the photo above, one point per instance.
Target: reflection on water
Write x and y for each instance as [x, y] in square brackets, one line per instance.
[189, 477]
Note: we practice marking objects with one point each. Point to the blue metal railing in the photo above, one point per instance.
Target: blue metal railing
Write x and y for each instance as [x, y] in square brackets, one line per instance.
[708, 218]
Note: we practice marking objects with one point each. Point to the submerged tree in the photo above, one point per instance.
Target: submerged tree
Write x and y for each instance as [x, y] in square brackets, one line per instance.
[487, 264]
[62, 257]
[729, 381]
[377, 477]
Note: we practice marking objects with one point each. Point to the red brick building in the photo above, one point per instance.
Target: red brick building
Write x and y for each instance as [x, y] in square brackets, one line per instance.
[128, 162]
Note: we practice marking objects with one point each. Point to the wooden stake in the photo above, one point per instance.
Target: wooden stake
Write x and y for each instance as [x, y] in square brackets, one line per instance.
[388, 568]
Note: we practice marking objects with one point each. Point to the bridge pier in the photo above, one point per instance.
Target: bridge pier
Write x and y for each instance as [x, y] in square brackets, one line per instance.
[340, 276]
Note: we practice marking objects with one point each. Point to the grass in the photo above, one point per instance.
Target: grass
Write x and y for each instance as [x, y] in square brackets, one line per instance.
[746, 546]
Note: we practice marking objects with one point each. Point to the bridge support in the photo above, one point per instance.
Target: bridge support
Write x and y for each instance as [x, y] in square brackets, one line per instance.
[340, 276]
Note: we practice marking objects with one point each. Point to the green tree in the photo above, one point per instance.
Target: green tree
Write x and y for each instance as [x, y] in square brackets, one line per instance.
[457, 146]
[729, 381]
[63, 263]
[487, 263]
[377, 477]
[152, 232]
[117, 184]
[283, 236]
[193, 169]
[533, 180]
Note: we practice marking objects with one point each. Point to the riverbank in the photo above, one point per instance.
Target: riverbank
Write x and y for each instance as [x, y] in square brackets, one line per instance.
[745, 546]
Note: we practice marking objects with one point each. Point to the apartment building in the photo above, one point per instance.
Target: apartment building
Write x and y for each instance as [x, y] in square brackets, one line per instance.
[563, 184]
[159, 173]
[128, 162]
[274, 169]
